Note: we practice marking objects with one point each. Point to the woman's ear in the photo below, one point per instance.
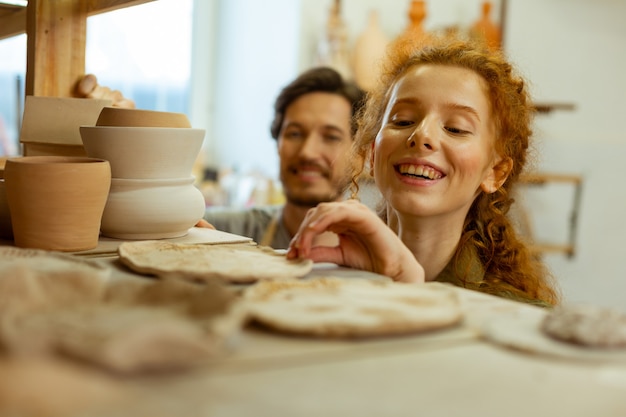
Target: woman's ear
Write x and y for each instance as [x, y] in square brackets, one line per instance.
[498, 175]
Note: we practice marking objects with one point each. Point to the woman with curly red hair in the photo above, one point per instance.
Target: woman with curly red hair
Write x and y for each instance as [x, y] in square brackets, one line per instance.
[445, 137]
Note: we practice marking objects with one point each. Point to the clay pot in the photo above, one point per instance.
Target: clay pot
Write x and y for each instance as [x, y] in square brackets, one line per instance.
[56, 202]
[151, 209]
[144, 152]
[118, 116]
[369, 52]
[6, 230]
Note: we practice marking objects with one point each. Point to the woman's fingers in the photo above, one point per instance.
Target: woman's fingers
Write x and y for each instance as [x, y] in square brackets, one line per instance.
[365, 241]
[352, 222]
[326, 217]
[205, 224]
[326, 254]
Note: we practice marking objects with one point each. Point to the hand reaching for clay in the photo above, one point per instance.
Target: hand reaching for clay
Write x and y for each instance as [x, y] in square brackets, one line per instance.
[88, 87]
[365, 241]
[204, 224]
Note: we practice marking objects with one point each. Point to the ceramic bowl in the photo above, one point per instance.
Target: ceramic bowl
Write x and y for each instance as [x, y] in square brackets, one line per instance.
[118, 116]
[151, 209]
[56, 202]
[144, 152]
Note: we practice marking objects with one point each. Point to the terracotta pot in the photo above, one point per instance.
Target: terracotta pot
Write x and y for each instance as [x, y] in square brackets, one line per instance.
[118, 116]
[151, 209]
[369, 53]
[6, 231]
[144, 152]
[56, 202]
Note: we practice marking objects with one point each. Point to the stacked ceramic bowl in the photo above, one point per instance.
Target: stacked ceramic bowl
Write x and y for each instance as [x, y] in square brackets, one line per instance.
[152, 154]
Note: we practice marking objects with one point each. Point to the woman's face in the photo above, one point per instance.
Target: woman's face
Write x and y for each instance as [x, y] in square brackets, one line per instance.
[435, 149]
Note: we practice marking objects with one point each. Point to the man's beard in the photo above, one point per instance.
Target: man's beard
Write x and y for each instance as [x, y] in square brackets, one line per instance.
[304, 199]
[308, 201]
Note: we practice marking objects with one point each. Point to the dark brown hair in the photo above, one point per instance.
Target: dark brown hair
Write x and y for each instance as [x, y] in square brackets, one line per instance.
[319, 79]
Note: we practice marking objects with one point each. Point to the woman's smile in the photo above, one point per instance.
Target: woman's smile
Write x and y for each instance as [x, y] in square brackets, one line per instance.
[418, 171]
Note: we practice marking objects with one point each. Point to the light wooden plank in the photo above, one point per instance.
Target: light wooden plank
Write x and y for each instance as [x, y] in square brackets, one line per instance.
[542, 178]
[55, 46]
[57, 32]
[13, 20]
[103, 6]
[12, 23]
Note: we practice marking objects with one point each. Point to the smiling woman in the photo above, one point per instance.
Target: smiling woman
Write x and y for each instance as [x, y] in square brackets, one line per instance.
[446, 135]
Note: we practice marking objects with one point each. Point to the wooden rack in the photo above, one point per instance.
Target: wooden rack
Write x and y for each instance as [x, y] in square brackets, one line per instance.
[569, 247]
[56, 32]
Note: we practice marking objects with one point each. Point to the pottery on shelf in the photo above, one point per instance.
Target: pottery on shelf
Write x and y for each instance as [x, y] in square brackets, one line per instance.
[6, 230]
[369, 51]
[414, 34]
[118, 116]
[152, 208]
[56, 202]
[485, 29]
[144, 152]
[333, 50]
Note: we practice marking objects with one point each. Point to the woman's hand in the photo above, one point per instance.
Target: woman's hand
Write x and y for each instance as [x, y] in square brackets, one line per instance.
[365, 241]
[205, 224]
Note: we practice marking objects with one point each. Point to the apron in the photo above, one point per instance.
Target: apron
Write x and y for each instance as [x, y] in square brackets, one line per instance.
[270, 231]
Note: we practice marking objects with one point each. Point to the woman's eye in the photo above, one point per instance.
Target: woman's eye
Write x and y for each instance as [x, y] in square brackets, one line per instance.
[401, 122]
[456, 130]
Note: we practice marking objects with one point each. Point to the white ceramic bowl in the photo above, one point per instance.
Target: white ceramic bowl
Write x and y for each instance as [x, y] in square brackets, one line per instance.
[144, 152]
[151, 209]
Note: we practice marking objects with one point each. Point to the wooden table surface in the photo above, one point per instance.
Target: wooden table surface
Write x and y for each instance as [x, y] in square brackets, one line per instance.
[450, 372]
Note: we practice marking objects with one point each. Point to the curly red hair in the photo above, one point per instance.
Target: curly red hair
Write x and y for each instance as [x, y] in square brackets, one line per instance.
[508, 262]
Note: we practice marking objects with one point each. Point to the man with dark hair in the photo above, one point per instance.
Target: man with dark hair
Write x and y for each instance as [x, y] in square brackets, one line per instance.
[314, 126]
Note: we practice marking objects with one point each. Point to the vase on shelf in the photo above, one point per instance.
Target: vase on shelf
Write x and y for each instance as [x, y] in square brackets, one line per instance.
[414, 33]
[485, 29]
[369, 52]
[333, 49]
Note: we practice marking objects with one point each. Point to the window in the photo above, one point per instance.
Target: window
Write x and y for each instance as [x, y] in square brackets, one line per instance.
[12, 79]
[145, 52]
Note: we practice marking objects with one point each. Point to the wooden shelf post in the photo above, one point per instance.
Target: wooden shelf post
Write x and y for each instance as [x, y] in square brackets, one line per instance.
[55, 59]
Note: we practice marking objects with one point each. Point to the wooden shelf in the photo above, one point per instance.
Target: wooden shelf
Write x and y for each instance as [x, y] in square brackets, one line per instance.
[12, 21]
[56, 32]
[546, 248]
[541, 179]
[550, 107]
[13, 18]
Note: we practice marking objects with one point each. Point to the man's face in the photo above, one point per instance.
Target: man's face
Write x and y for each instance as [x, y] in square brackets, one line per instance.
[313, 146]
